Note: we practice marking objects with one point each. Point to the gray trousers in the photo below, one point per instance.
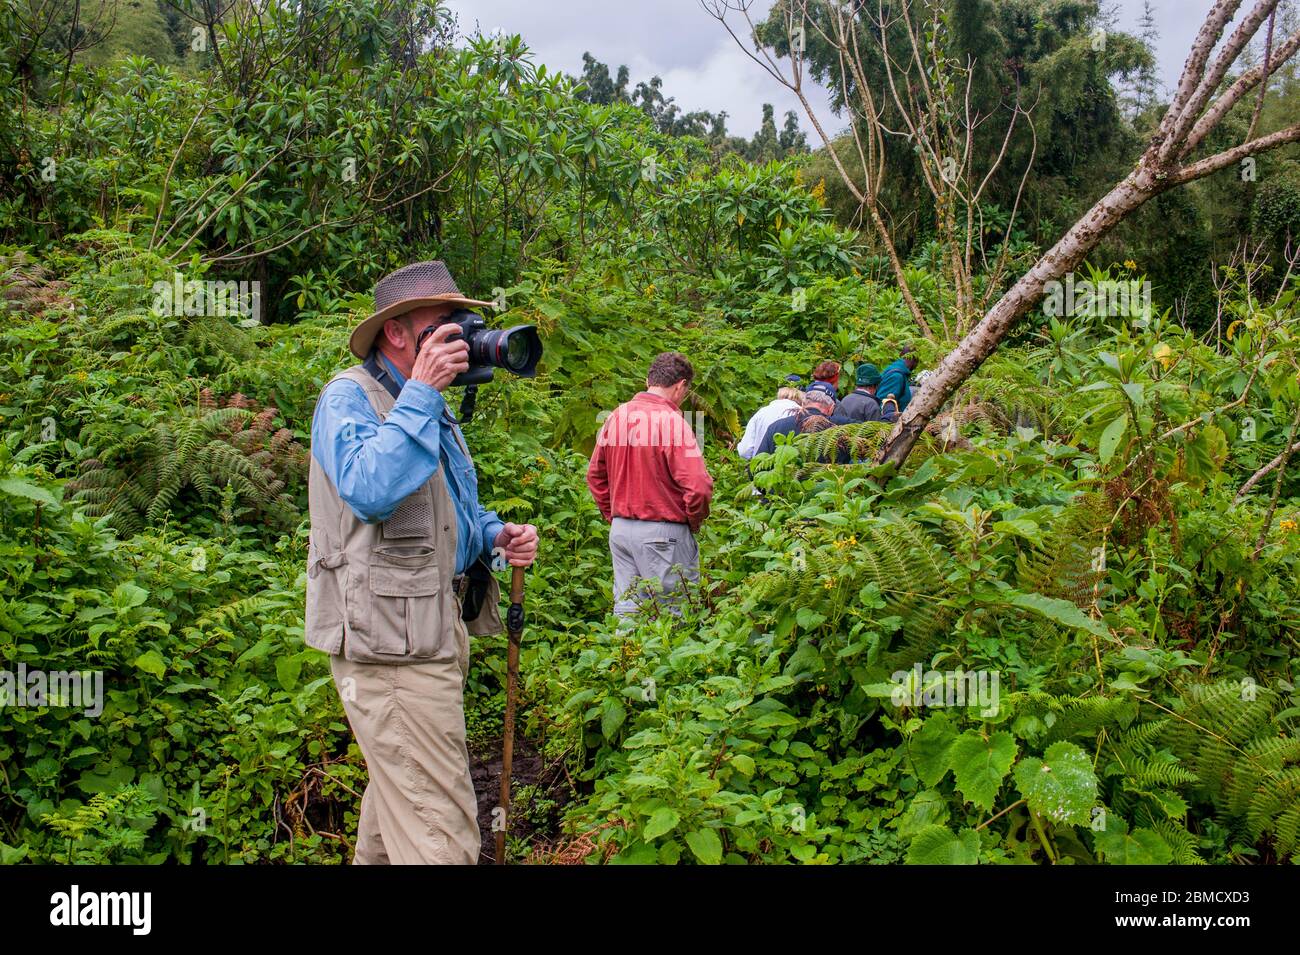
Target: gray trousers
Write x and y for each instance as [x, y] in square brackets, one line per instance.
[661, 554]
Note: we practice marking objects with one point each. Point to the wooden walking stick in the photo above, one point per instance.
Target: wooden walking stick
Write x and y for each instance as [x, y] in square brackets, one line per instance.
[514, 634]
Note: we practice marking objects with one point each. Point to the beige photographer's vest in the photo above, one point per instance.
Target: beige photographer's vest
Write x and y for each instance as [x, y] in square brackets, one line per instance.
[384, 592]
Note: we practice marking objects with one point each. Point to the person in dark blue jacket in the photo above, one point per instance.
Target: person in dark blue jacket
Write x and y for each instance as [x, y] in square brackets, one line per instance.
[861, 404]
[814, 416]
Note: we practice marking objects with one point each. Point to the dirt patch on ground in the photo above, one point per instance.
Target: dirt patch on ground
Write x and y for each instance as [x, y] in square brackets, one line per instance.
[538, 796]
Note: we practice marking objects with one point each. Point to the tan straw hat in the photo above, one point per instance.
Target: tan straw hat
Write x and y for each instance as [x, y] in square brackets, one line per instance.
[409, 288]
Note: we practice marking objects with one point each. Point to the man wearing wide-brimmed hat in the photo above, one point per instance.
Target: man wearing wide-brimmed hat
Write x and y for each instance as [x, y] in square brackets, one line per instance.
[396, 528]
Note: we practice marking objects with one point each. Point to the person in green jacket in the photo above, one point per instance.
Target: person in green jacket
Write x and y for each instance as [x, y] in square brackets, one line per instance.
[895, 380]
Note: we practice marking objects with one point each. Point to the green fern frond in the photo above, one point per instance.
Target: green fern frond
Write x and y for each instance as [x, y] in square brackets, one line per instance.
[1182, 842]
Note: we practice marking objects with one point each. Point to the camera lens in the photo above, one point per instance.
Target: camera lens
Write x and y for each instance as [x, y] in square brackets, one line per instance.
[517, 349]
[517, 352]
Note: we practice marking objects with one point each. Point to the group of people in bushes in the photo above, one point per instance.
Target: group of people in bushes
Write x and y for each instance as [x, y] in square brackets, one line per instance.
[876, 396]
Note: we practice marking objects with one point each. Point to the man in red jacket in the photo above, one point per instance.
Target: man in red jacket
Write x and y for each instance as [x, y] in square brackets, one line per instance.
[648, 477]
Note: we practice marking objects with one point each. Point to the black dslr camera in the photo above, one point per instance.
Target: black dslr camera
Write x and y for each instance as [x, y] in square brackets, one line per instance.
[517, 350]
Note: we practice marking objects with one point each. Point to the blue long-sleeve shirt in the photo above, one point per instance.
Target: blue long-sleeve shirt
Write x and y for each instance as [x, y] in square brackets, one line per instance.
[375, 466]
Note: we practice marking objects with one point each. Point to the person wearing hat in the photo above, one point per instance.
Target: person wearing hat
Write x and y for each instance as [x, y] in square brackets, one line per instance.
[860, 404]
[895, 379]
[814, 416]
[788, 400]
[397, 534]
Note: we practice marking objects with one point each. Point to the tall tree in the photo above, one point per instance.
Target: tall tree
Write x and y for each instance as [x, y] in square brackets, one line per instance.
[1198, 107]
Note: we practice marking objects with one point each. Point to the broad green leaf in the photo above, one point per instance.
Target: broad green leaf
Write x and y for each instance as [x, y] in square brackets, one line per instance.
[743, 764]
[1110, 438]
[648, 780]
[1135, 392]
[128, 595]
[256, 651]
[1058, 611]
[1021, 527]
[1061, 786]
[706, 846]
[662, 821]
[287, 670]
[928, 808]
[775, 718]
[981, 764]
[929, 748]
[670, 853]
[939, 845]
[1144, 847]
[17, 487]
[639, 854]
[809, 619]
[612, 717]
[151, 661]
[1173, 805]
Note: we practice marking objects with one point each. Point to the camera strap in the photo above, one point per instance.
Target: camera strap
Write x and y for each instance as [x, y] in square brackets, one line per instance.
[467, 404]
[377, 371]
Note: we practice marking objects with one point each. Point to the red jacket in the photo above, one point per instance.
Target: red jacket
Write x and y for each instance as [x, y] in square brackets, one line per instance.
[647, 465]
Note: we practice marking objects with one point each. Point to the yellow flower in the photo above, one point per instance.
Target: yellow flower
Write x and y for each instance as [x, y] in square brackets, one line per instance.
[1289, 526]
[649, 290]
[1130, 265]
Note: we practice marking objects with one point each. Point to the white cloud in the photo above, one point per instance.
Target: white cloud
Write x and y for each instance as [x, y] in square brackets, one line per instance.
[701, 66]
[730, 80]
[677, 40]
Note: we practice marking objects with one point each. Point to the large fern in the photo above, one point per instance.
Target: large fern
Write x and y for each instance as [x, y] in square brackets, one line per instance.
[208, 453]
[892, 552]
[1067, 565]
[1246, 761]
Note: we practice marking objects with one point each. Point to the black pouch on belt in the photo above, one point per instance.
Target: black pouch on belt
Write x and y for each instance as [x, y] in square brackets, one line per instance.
[478, 580]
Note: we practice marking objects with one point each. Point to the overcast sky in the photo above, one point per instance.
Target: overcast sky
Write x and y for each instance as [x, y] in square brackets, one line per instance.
[701, 65]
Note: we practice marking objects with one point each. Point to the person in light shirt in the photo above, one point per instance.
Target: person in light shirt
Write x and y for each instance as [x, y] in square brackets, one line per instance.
[789, 399]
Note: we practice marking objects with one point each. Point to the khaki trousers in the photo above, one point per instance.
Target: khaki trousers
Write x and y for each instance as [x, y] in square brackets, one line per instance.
[409, 720]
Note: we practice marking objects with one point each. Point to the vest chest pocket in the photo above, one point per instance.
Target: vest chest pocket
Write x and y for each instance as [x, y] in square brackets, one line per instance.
[404, 571]
[406, 603]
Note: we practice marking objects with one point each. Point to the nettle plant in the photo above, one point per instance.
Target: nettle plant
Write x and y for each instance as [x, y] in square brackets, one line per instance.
[786, 722]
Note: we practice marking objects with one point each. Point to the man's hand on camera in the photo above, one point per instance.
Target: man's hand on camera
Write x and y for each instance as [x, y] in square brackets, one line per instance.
[519, 542]
[440, 361]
